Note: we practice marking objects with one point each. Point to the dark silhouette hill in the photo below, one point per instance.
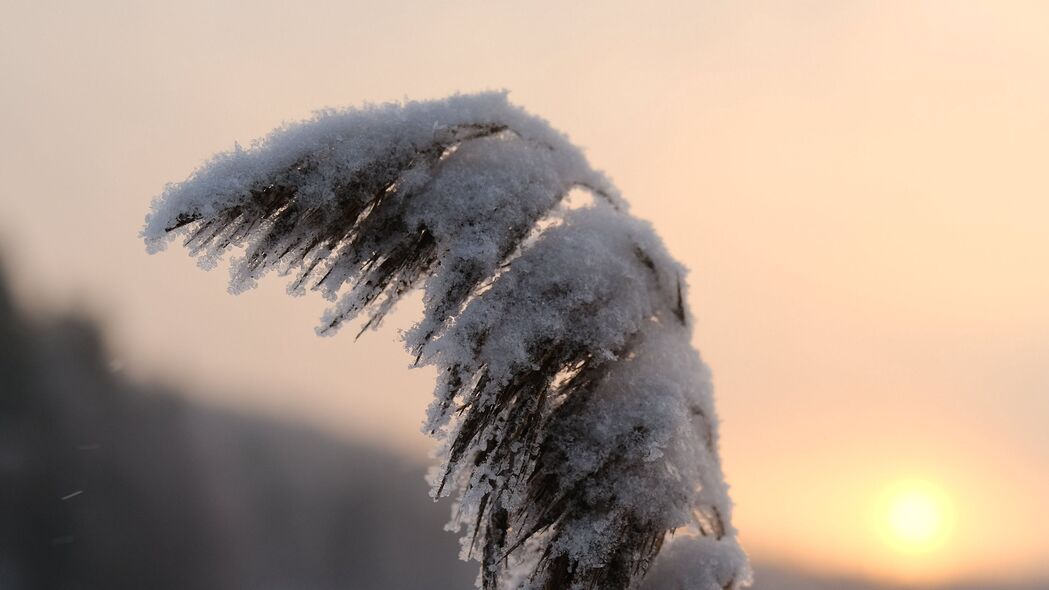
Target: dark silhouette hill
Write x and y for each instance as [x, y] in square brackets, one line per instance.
[110, 485]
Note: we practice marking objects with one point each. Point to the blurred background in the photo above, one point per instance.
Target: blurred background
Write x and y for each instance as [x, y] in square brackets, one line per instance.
[858, 188]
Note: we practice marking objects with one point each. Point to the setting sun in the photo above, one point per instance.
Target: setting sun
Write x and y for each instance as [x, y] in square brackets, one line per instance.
[915, 517]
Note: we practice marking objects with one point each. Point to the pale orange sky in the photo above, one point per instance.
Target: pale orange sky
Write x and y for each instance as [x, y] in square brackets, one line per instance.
[859, 189]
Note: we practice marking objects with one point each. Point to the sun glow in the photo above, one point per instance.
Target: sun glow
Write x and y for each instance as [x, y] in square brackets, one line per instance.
[915, 517]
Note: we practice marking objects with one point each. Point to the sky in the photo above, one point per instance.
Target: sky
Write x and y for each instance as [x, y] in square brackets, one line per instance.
[858, 189]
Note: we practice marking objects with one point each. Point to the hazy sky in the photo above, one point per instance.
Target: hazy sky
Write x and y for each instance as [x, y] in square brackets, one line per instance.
[860, 190]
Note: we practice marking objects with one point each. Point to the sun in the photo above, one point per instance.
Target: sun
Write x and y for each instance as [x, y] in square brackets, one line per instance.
[915, 517]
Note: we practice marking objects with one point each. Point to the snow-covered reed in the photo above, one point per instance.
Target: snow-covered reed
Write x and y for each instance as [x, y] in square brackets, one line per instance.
[578, 426]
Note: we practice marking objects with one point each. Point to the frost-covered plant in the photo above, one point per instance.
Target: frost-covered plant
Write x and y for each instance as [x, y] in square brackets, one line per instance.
[577, 421]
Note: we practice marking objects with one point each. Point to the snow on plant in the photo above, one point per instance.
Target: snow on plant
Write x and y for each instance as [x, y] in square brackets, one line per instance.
[578, 427]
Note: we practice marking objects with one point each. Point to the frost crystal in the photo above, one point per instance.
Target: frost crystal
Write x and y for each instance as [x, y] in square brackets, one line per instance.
[578, 423]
